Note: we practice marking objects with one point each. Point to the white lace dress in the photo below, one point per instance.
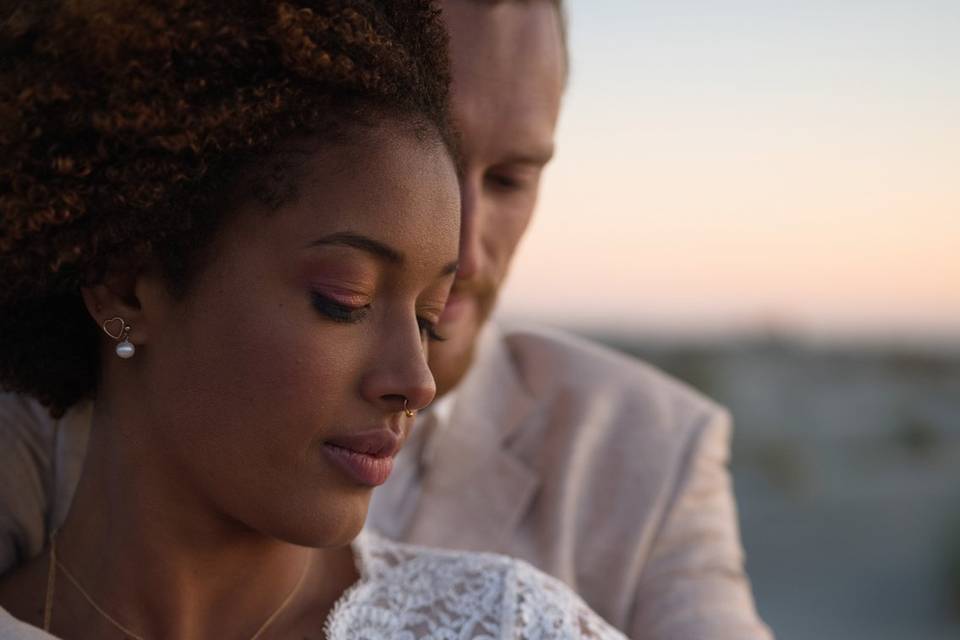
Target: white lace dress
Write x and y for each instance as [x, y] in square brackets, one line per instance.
[409, 592]
[412, 593]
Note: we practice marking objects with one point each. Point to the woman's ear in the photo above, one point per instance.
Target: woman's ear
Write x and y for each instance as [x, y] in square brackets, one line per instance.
[116, 297]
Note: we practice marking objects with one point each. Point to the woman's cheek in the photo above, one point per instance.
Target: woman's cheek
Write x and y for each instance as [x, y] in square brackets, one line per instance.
[309, 366]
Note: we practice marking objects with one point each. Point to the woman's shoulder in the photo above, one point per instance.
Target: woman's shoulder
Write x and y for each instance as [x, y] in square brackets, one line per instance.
[412, 591]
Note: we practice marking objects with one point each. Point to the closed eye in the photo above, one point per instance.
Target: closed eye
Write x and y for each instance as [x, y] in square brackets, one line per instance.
[504, 182]
[337, 311]
[428, 330]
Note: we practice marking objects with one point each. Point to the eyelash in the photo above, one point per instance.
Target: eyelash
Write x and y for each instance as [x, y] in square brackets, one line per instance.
[429, 329]
[505, 183]
[338, 312]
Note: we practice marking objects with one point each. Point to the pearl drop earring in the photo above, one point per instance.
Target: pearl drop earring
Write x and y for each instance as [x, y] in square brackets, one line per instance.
[118, 329]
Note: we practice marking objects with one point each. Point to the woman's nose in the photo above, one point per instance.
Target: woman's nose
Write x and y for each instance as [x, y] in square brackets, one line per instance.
[399, 378]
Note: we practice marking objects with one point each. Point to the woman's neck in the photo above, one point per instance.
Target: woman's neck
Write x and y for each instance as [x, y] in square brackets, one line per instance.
[156, 556]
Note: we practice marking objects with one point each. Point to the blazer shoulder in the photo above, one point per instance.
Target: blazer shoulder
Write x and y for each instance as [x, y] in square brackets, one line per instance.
[557, 366]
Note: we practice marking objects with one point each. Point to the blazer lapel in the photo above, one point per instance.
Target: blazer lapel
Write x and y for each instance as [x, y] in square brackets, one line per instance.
[475, 490]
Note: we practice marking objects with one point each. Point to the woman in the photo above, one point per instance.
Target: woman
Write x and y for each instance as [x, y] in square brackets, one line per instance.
[233, 226]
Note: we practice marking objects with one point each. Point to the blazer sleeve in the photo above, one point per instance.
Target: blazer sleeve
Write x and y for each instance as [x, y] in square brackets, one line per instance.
[26, 478]
[693, 585]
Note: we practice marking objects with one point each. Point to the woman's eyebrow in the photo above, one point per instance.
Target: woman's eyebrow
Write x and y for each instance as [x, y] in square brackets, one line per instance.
[374, 247]
[363, 243]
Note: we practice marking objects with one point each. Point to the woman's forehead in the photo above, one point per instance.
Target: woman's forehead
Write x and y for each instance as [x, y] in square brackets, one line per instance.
[395, 187]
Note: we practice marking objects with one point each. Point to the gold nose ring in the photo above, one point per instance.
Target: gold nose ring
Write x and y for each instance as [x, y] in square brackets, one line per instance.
[407, 410]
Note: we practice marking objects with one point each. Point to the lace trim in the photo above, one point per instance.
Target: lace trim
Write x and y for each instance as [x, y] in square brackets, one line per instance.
[408, 592]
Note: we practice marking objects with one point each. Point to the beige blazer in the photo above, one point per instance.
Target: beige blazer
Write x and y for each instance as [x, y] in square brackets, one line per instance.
[592, 466]
[597, 469]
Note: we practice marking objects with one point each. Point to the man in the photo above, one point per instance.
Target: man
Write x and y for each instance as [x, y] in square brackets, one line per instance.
[594, 467]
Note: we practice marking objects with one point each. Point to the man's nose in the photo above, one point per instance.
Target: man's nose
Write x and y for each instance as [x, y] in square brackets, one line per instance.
[471, 224]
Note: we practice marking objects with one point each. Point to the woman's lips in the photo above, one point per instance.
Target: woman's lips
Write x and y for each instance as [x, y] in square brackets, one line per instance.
[366, 458]
[361, 467]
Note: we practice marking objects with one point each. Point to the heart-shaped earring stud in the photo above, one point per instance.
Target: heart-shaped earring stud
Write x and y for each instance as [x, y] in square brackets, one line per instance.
[118, 329]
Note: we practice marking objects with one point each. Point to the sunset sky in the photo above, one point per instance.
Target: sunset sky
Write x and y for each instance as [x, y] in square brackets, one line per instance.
[753, 164]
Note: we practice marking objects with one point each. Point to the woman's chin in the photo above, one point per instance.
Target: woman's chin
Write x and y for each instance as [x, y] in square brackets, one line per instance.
[321, 526]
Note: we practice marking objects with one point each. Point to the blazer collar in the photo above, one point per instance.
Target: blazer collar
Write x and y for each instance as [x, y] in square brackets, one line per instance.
[475, 489]
[492, 397]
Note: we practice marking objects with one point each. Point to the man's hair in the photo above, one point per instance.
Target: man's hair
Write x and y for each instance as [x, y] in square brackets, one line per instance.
[125, 124]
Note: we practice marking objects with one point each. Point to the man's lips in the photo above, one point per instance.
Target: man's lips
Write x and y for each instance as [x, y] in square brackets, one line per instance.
[367, 458]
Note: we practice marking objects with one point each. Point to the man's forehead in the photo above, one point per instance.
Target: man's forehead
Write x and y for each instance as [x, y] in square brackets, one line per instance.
[508, 76]
[501, 27]
[507, 128]
[559, 13]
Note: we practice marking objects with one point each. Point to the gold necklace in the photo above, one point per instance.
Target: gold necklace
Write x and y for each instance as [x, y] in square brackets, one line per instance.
[52, 580]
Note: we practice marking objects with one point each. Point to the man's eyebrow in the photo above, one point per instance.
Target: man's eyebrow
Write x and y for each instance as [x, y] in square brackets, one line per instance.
[538, 158]
[363, 243]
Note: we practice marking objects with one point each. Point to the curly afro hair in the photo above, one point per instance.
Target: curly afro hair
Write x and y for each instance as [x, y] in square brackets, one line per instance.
[124, 122]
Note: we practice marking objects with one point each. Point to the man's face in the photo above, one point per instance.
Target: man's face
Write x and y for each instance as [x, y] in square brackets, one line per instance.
[508, 79]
